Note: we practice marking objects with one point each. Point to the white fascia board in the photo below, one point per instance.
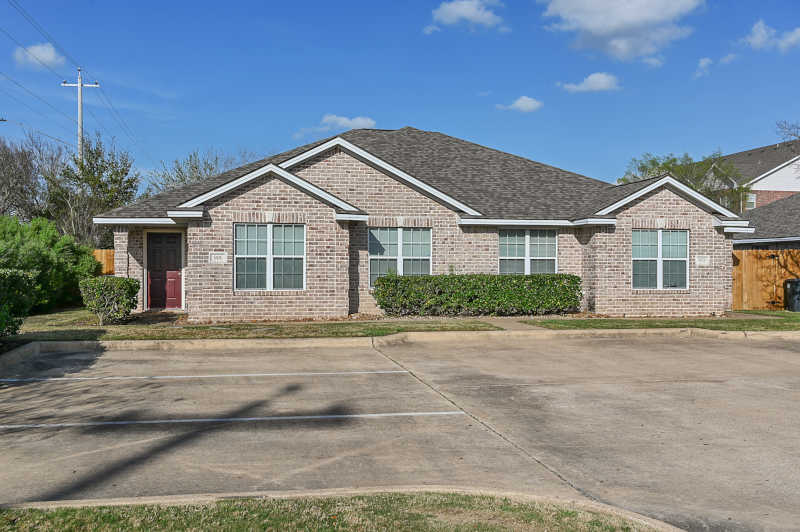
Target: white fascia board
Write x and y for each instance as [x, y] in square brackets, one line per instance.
[730, 223]
[185, 214]
[766, 240]
[739, 229]
[340, 142]
[302, 183]
[134, 221]
[768, 172]
[537, 223]
[504, 221]
[352, 217]
[667, 180]
[595, 221]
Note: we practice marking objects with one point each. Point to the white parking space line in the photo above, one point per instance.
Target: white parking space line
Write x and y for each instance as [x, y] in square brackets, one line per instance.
[217, 376]
[229, 420]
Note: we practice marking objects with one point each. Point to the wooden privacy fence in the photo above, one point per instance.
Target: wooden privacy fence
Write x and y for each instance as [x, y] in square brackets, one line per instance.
[758, 276]
[106, 258]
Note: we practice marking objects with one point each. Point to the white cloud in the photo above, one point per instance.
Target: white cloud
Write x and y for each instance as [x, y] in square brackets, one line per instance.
[44, 52]
[624, 29]
[730, 58]
[597, 82]
[523, 104]
[763, 37]
[333, 122]
[473, 12]
[653, 61]
[760, 36]
[702, 67]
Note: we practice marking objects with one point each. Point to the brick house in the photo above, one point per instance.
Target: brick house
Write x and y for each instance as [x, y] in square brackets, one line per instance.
[304, 234]
[772, 172]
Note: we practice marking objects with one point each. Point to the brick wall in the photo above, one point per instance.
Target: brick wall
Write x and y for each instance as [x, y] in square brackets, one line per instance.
[390, 203]
[210, 292]
[764, 197]
[709, 290]
[129, 257]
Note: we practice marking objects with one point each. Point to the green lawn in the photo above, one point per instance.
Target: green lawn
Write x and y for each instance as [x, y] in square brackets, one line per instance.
[79, 324]
[781, 321]
[422, 511]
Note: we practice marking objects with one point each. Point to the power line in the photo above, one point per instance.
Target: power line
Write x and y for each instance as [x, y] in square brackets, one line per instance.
[41, 30]
[26, 89]
[22, 46]
[114, 113]
[51, 69]
[22, 124]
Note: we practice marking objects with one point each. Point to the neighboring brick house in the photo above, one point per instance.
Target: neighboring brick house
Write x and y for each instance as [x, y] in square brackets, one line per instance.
[772, 172]
[305, 233]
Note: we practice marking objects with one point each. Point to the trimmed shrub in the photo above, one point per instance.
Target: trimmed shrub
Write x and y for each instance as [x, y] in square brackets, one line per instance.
[111, 299]
[16, 299]
[59, 261]
[478, 294]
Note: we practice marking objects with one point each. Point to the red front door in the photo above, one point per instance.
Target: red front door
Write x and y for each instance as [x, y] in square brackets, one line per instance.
[164, 270]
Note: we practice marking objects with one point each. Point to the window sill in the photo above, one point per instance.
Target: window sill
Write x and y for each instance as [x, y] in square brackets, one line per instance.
[264, 291]
[644, 291]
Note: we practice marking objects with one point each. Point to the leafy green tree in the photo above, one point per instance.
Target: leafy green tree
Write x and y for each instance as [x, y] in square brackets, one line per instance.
[57, 260]
[712, 175]
[103, 181]
[193, 168]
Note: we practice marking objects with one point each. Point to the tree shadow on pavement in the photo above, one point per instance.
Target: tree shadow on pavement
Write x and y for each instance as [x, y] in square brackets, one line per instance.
[189, 432]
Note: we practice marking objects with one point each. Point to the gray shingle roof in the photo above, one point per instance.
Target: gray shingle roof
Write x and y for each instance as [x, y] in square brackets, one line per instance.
[779, 219]
[495, 183]
[753, 163]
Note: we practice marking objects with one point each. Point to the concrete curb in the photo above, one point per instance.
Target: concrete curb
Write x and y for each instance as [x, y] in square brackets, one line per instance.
[34, 349]
[210, 498]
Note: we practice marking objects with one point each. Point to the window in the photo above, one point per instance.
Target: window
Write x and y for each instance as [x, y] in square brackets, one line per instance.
[660, 259]
[402, 250]
[750, 202]
[525, 252]
[269, 257]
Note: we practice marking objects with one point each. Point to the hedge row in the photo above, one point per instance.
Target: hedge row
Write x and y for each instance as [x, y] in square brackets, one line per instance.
[111, 299]
[478, 294]
[58, 261]
[16, 299]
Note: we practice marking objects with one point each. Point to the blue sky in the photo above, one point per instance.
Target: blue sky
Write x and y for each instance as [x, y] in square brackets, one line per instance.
[581, 84]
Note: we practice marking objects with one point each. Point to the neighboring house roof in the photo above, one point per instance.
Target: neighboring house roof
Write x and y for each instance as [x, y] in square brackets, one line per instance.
[469, 178]
[776, 221]
[753, 163]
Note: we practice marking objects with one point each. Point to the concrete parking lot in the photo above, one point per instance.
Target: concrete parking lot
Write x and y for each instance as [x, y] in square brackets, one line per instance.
[698, 432]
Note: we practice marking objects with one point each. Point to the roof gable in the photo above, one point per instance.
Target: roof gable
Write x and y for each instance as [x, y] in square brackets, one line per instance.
[660, 182]
[289, 178]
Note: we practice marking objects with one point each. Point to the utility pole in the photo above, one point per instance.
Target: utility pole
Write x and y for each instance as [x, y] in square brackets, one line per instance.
[80, 84]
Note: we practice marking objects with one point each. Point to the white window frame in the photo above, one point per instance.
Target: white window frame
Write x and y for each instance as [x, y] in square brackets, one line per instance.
[660, 262]
[527, 256]
[399, 257]
[269, 258]
[747, 198]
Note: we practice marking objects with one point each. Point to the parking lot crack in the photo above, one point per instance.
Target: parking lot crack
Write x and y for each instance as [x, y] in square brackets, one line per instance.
[485, 424]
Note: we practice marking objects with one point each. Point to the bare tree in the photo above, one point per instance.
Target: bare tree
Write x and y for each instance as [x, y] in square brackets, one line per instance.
[196, 166]
[24, 171]
[789, 130]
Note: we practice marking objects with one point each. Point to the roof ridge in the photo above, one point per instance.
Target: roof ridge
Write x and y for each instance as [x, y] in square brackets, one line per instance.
[513, 155]
[776, 146]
